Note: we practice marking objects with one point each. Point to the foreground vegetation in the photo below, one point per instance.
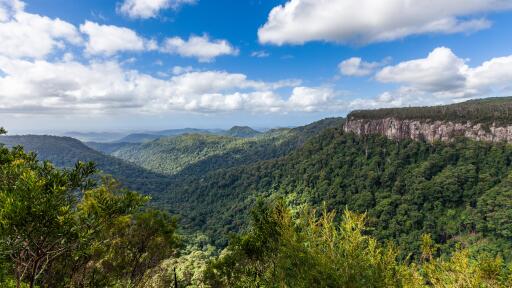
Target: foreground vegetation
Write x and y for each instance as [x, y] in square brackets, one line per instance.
[305, 248]
[64, 228]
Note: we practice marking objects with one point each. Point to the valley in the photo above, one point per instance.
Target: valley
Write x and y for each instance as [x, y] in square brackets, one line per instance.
[455, 190]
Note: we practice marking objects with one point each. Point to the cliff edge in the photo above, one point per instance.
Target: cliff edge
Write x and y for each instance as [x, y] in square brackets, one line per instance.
[481, 120]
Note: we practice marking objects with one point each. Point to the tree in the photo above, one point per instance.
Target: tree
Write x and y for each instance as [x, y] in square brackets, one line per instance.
[308, 250]
[58, 227]
[139, 243]
[37, 220]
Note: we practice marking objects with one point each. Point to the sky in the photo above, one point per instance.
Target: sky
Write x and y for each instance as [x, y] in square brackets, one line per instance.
[138, 65]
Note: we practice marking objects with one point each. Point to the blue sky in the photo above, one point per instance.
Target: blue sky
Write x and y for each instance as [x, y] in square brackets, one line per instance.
[101, 65]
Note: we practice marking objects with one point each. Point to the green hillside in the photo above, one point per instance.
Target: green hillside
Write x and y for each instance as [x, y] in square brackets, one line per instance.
[66, 151]
[487, 111]
[169, 155]
[197, 154]
[242, 131]
[67, 228]
[108, 147]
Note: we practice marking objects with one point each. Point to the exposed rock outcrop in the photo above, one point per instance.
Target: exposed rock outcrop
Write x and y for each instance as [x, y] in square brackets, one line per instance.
[428, 130]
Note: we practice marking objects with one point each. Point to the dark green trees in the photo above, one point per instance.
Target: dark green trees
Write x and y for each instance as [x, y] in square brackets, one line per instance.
[65, 228]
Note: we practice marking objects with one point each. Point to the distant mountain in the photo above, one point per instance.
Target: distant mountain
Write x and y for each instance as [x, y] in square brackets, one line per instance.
[175, 132]
[153, 135]
[242, 131]
[66, 151]
[94, 136]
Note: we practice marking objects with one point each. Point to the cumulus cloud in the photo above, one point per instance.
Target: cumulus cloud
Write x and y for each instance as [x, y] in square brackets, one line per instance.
[441, 77]
[109, 39]
[67, 86]
[311, 98]
[200, 47]
[367, 21]
[440, 71]
[24, 34]
[149, 8]
[355, 66]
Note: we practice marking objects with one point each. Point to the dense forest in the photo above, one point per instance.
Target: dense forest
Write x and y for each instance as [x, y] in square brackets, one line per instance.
[408, 188]
[496, 110]
[170, 155]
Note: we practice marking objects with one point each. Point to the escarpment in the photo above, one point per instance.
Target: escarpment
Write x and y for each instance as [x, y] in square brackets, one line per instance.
[487, 120]
[429, 131]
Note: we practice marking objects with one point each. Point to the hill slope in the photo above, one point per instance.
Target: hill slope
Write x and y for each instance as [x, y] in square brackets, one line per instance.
[203, 153]
[408, 187]
[170, 155]
[66, 151]
[242, 131]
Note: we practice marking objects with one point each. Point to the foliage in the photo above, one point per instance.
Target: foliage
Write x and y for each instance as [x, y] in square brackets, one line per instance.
[61, 227]
[189, 268]
[170, 155]
[311, 249]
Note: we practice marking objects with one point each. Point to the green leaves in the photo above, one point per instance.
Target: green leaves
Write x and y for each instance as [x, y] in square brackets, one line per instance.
[60, 227]
[308, 251]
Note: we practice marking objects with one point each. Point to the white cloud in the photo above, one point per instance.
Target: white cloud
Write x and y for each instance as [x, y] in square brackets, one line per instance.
[311, 98]
[30, 35]
[200, 47]
[355, 66]
[441, 71]
[149, 8]
[10, 7]
[67, 86]
[367, 21]
[260, 54]
[441, 77]
[495, 74]
[109, 39]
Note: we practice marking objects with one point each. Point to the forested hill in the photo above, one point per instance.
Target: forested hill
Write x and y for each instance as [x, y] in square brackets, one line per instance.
[496, 110]
[198, 154]
[242, 131]
[66, 151]
[170, 155]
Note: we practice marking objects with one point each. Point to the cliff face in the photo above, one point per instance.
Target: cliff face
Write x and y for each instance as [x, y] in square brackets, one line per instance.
[428, 130]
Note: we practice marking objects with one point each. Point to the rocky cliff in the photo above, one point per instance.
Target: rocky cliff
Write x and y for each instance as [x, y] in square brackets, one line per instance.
[427, 130]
